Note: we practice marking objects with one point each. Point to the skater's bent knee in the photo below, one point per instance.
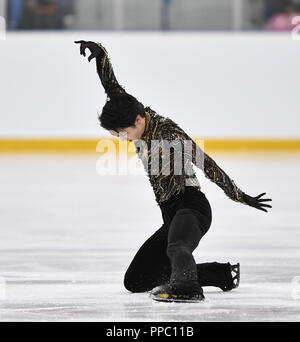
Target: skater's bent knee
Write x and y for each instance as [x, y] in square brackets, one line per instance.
[133, 285]
[194, 218]
[128, 284]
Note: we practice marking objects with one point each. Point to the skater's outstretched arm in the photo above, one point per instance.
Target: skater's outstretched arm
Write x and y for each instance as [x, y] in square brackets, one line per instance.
[104, 67]
[211, 170]
[218, 176]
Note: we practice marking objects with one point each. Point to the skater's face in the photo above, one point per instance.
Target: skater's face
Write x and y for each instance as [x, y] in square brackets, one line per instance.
[131, 133]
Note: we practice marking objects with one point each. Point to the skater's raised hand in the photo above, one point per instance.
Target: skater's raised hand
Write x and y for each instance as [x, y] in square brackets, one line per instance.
[95, 49]
[257, 202]
[104, 67]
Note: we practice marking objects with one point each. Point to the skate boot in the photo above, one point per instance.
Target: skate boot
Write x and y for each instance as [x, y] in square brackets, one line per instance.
[234, 280]
[178, 292]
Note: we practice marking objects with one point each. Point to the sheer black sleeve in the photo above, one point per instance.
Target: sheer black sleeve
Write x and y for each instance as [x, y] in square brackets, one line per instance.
[107, 76]
[182, 143]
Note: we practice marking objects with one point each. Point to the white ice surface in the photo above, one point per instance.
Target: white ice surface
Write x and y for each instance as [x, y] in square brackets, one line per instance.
[68, 235]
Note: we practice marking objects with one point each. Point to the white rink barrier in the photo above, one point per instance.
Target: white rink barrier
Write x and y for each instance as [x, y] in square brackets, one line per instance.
[212, 84]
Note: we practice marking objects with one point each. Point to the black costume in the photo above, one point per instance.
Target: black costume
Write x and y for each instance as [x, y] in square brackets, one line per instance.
[151, 265]
[167, 254]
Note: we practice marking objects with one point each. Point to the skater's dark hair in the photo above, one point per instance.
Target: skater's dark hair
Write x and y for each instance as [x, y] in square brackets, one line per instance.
[121, 112]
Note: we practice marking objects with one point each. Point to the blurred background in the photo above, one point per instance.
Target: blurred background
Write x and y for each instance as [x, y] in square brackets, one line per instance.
[222, 69]
[150, 15]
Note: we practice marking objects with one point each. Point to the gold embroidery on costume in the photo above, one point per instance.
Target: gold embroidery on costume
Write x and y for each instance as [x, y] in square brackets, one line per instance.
[163, 130]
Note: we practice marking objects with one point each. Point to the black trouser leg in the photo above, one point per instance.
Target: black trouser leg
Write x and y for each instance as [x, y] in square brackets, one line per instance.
[151, 266]
[185, 232]
[213, 274]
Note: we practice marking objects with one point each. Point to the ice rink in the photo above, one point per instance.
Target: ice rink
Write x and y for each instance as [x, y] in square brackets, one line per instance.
[68, 235]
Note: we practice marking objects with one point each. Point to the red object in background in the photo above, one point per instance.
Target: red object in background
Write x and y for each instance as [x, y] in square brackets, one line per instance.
[282, 22]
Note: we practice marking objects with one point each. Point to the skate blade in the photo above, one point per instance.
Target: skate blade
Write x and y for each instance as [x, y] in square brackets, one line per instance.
[166, 299]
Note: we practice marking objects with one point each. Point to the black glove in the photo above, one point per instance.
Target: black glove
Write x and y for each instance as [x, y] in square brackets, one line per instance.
[256, 202]
[94, 48]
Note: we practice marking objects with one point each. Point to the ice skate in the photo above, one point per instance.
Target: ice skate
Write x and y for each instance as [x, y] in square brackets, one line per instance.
[234, 282]
[178, 292]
